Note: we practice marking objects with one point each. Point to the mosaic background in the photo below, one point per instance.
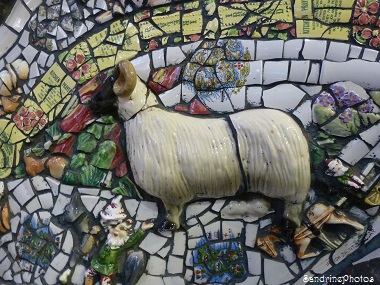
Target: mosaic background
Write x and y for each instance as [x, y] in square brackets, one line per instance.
[62, 160]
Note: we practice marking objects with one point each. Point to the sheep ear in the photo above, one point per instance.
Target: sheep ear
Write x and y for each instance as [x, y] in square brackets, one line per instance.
[126, 82]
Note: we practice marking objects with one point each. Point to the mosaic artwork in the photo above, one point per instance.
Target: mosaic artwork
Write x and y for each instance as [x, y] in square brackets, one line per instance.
[190, 142]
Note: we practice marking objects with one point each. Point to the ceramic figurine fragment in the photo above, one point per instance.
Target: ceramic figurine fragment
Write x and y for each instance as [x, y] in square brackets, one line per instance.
[267, 244]
[4, 222]
[336, 168]
[170, 153]
[318, 215]
[119, 239]
[373, 197]
[249, 211]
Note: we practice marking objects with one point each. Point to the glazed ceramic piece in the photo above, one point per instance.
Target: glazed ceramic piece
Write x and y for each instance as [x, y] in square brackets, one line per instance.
[318, 215]
[136, 101]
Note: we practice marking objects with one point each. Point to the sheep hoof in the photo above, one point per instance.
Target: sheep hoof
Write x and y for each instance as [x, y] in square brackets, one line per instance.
[168, 225]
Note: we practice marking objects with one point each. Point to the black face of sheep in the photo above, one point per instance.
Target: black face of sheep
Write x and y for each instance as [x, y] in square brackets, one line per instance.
[178, 158]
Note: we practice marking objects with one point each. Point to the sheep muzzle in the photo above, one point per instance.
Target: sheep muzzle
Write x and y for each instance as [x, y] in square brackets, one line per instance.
[126, 81]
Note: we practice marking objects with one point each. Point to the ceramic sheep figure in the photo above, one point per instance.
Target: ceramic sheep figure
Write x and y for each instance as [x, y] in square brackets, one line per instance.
[178, 157]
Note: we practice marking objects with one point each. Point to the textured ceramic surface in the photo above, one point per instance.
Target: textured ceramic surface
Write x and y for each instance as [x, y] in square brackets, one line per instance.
[280, 98]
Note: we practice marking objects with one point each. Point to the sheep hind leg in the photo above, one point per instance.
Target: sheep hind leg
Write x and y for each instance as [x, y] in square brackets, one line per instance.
[292, 212]
[172, 218]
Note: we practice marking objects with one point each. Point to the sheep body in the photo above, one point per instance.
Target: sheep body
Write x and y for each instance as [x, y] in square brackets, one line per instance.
[177, 157]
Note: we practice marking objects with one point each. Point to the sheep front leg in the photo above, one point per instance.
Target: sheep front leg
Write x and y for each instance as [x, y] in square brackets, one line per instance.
[172, 218]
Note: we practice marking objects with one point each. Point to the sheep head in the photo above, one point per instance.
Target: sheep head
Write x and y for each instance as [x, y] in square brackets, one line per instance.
[126, 82]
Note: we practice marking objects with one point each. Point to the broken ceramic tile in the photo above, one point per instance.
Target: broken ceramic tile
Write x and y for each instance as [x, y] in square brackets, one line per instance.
[269, 49]
[152, 243]
[314, 49]
[337, 51]
[275, 71]
[284, 97]
[299, 70]
[156, 266]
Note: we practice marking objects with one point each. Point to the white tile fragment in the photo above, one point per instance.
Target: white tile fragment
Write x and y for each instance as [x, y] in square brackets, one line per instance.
[175, 264]
[60, 205]
[311, 90]
[51, 276]
[149, 279]
[5, 264]
[89, 201]
[190, 48]
[354, 151]
[179, 243]
[13, 54]
[59, 262]
[187, 92]
[14, 224]
[99, 207]
[164, 251]
[131, 206]
[40, 183]
[374, 229]
[288, 254]
[372, 135]
[196, 208]
[292, 48]
[54, 185]
[305, 263]
[152, 243]
[237, 97]
[370, 54]
[355, 70]
[29, 53]
[254, 262]
[314, 73]
[24, 39]
[374, 153]
[254, 95]
[174, 280]
[250, 234]
[13, 206]
[68, 244]
[218, 204]
[142, 66]
[304, 279]
[147, 210]
[106, 194]
[282, 272]
[303, 113]
[174, 55]
[171, 97]
[78, 275]
[66, 189]
[295, 268]
[192, 222]
[265, 222]
[42, 59]
[213, 231]
[24, 192]
[284, 97]
[207, 217]
[158, 57]
[195, 231]
[269, 49]
[88, 191]
[255, 75]
[46, 201]
[299, 70]
[337, 51]
[156, 266]
[275, 71]
[314, 49]
[372, 211]
[355, 51]
[232, 229]
[251, 280]
[33, 205]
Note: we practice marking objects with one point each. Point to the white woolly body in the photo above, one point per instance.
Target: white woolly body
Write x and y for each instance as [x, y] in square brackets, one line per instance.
[177, 157]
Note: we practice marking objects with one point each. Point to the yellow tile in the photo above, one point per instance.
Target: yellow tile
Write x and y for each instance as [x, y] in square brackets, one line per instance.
[303, 9]
[40, 91]
[260, 19]
[313, 29]
[15, 135]
[54, 75]
[105, 50]
[118, 26]
[330, 16]
[97, 39]
[191, 5]
[17, 152]
[131, 31]
[168, 23]
[132, 43]
[4, 135]
[333, 3]
[2, 160]
[106, 62]
[9, 153]
[148, 31]
[124, 55]
[116, 39]
[276, 10]
[192, 23]
[67, 86]
[239, 6]
[212, 26]
[230, 17]
[51, 100]
[5, 172]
